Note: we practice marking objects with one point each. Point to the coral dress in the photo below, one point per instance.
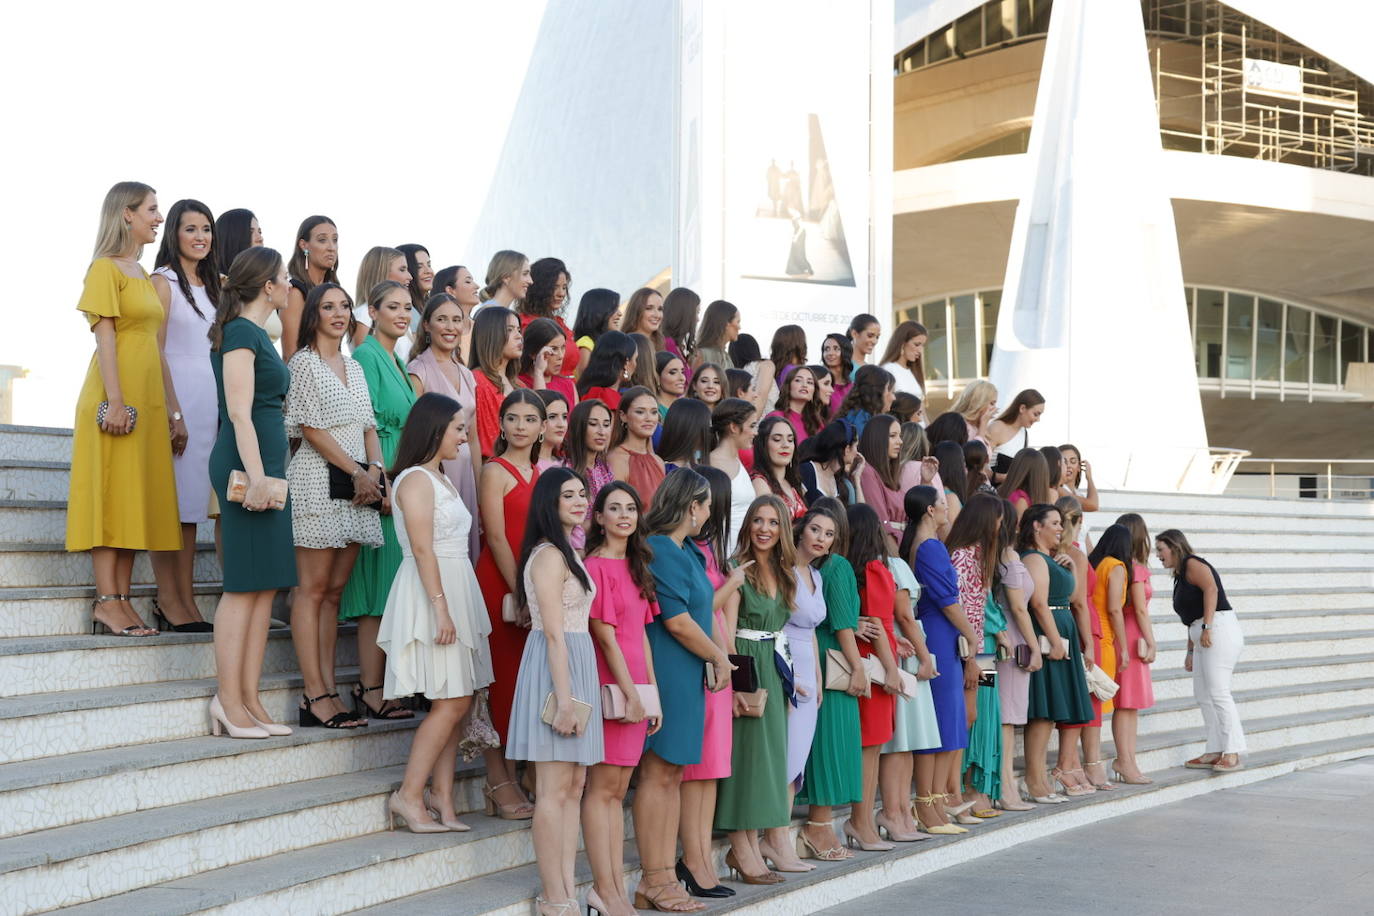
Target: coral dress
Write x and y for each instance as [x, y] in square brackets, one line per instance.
[1137, 691]
[619, 604]
[488, 412]
[645, 474]
[877, 595]
[507, 640]
[717, 737]
[122, 490]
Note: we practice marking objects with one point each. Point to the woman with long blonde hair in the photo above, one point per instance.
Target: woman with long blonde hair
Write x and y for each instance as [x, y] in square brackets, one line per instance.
[508, 279]
[977, 404]
[379, 265]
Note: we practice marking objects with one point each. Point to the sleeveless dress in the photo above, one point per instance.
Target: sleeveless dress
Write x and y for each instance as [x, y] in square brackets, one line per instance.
[1106, 646]
[529, 738]
[1059, 690]
[187, 350]
[507, 640]
[460, 471]
[682, 588]
[915, 727]
[122, 491]
[487, 400]
[1013, 681]
[619, 604]
[877, 711]
[1137, 691]
[645, 474]
[414, 662]
[717, 736]
[834, 771]
[741, 496]
[940, 589]
[801, 642]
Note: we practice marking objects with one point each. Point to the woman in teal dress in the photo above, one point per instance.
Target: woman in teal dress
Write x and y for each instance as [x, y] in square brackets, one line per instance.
[755, 794]
[1059, 690]
[834, 771]
[364, 598]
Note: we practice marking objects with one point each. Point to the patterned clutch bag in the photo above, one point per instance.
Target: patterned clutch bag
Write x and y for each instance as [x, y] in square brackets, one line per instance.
[102, 410]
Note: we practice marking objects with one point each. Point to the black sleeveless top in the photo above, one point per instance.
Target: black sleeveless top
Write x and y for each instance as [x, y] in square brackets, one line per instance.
[1188, 597]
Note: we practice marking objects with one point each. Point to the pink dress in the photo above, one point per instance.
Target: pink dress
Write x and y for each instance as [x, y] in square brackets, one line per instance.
[1137, 692]
[460, 471]
[889, 504]
[619, 603]
[717, 740]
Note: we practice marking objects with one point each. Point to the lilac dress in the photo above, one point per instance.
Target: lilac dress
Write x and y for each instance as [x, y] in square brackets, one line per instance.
[1013, 682]
[801, 642]
[460, 472]
[187, 349]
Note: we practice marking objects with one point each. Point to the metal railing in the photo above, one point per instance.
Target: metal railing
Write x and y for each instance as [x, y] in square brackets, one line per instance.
[1325, 483]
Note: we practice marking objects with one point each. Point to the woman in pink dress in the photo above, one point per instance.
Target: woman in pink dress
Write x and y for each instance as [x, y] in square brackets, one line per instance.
[618, 563]
[880, 444]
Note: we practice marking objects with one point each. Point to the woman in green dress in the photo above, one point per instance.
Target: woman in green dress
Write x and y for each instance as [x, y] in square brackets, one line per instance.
[834, 771]
[364, 598]
[755, 794]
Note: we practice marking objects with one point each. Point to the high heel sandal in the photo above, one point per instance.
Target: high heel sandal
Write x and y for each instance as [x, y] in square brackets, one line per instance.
[851, 837]
[389, 709]
[194, 626]
[1105, 785]
[807, 850]
[938, 829]
[768, 852]
[1143, 780]
[308, 719]
[540, 903]
[595, 905]
[1051, 799]
[219, 722]
[1072, 791]
[650, 897]
[519, 811]
[396, 808]
[136, 630]
[896, 836]
[684, 874]
[732, 863]
[455, 825]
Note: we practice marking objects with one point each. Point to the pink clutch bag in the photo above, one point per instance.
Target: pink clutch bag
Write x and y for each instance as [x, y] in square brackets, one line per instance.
[613, 701]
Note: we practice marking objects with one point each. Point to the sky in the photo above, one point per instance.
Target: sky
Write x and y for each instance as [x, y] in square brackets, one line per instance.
[387, 118]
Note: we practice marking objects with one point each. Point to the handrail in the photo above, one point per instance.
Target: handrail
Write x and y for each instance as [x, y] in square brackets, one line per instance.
[1367, 489]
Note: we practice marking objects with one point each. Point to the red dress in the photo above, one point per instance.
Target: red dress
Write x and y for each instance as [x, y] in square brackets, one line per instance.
[646, 472]
[507, 641]
[569, 348]
[877, 592]
[608, 396]
[489, 399]
[563, 384]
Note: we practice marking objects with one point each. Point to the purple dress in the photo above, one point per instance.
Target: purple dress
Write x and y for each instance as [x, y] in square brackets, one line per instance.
[460, 472]
[801, 641]
[1013, 681]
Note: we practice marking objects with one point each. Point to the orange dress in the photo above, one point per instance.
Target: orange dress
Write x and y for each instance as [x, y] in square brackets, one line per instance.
[1106, 656]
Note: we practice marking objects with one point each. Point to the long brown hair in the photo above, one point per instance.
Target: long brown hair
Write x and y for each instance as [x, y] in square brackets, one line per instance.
[634, 310]
[298, 267]
[812, 417]
[251, 270]
[873, 446]
[637, 551]
[781, 558]
[489, 343]
[901, 335]
[1140, 537]
[978, 526]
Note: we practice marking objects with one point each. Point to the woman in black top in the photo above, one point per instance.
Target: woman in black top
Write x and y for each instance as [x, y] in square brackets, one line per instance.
[1215, 640]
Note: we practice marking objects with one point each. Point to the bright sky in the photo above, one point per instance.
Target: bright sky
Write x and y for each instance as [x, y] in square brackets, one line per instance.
[218, 103]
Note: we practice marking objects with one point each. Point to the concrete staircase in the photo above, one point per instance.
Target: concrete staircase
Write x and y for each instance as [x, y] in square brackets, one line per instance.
[113, 799]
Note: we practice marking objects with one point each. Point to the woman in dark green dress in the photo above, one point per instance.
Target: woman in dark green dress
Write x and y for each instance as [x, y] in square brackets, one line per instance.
[1059, 690]
[258, 557]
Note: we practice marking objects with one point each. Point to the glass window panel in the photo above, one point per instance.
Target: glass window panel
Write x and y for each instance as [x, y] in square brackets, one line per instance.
[1295, 345]
[938, 45]
[968, 31]
[965, 337]
[1040, 17]
[1352, 348]
[999, 21]
[1324, 350]
[992, 301]
[937, 359]
[1268, 334]
[1209, 330]
[1240, 326]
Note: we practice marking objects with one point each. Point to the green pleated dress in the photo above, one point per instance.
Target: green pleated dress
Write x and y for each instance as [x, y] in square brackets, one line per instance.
[983, 758]
[754, 795]
[834, 771]
[392, 398]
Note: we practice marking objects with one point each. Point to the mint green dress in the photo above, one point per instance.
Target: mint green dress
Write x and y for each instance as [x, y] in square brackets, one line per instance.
[392, 398]
[834, 771]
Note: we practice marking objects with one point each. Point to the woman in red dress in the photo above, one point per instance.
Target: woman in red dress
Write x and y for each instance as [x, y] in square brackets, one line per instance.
[504, 496]
[497, 343]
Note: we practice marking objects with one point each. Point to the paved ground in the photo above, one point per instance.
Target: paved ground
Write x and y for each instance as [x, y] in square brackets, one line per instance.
[1299, 845]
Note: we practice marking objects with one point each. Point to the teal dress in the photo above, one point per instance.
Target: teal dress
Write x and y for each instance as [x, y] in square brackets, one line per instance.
[683, 588]
[1059, 690]
[983, 759]
[392, 398]
[755, 794]
[834, 771]
[258, 552]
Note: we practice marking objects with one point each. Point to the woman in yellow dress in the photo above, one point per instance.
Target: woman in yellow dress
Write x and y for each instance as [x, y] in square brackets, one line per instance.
[123, 495]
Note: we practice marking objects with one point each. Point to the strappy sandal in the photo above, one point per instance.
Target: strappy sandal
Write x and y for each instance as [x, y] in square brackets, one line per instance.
[389, 709]
[138, 631]
[807, 849]
[519, 811]
[309, 720]
[651, 897]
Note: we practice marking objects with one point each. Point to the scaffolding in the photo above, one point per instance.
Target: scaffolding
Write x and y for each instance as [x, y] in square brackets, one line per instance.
[1230, 85]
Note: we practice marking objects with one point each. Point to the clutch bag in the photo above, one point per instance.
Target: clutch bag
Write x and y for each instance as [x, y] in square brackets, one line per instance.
[1023, 656]
[512, 613]
[838, 674]
[582, 712]
[907, 683]
[752, 702]
[341, 485]
[613, 701]
[745, 677]
[1045, 646]
[1099, 684]
[1142, 647]
[238, 489]
[102, 410]
[964, 649]
[876, 674]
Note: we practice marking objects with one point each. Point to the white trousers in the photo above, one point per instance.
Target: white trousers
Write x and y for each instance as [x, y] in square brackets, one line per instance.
[1212, 682]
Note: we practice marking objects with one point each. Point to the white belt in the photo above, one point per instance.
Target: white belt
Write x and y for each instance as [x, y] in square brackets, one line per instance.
[757, 635]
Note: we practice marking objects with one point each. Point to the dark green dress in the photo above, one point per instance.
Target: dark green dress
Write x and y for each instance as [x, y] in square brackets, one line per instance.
[754, 795]
[392, 398]
[258, 550]
[1059, 690]
[834, 771]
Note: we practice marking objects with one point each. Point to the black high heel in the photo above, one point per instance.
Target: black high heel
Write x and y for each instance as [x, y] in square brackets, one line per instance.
[194, 626]
[684, 874]
[309, 720]
[387, 711]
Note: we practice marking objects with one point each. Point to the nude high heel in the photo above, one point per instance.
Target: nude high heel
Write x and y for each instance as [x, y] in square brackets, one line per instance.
[272, 728]
[219, 723]
[1050, 799]
[851, 837]
[396, 808]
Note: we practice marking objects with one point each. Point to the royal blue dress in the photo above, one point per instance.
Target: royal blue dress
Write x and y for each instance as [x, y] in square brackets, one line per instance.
[940, 589]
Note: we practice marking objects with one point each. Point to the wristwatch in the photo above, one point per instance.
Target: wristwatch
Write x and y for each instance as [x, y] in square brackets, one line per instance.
[1207, 626]
[176, 416]
[376, 464]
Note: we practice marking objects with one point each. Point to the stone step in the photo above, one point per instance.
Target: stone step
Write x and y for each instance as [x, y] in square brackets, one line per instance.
[35, 443]
[1173, 683]
[24, 479]
[1276, 623]
[61, 663]
[1288, 557]
[45, 520]
[1261, 703]
[1262, 522]
[1295, 580]
[42, 565]
[72, 722]
[1246, 600]
[66, 610]
[1207, 541]
[1116, 502]
[1335, 645]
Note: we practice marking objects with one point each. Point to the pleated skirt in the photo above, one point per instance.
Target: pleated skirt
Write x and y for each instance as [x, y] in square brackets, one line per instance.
[415, 663]
[983, 759]
[528, 737]
[915, 728]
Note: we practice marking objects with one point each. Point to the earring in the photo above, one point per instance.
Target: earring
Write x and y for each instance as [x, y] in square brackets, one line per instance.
[541, 438]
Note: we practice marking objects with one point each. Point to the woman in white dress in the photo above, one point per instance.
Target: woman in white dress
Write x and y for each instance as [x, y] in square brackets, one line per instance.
[434, 630]
[905, 357]
[733, 424]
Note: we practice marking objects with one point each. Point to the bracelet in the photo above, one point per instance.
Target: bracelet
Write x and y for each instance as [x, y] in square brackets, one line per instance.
[434, 598]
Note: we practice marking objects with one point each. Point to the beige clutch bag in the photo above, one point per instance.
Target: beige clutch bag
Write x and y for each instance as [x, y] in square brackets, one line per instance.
[238, 489]
[582, 712]
[838, 673]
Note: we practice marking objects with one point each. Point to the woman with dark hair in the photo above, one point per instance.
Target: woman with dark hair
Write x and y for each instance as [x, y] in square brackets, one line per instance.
[421, 272]
[505, 493]
[948, 427]
[880, 445]
[1136, 690]
[558, 661]
[787, 350]
[314, 260]
[707, 384]
[436, 367]
[553, 446]
[236, 231]
[618, 564]
[681, 639]
[686, 440]
[597, 312]
[497, 345]
[434, 631]
[644, 315]
[837, 355]
[1215, 641]
[977, 470]
[1075, 470]
[612, 363]
[541, 358]
[906, 407]
[670, 376]
[825, 387]
[632, 457]
[740, 384]
[590, 428]
[905, 357]
[744, 353]
[870, 396]
[734, 425]
[1054, 465]
[720, 325]
[1027, 474]
[187, 283]
[388, 385]
[1069, 768]
[1021, 414]
[863, 333]
[830, 466]
[949, 459]
[508, 280]
[1012, 588]
[775, 466]
[547, 295]
[797, 402]
[1111, 562]
[459, 283]
[680, 322]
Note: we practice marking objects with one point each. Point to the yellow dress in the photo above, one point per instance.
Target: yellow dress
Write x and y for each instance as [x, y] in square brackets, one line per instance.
[122, 492]
[1107, 657]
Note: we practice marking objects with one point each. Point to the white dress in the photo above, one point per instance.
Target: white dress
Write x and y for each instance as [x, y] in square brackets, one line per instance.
[414, 663]
[741, 495]
[187, 350]
[906, 380]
